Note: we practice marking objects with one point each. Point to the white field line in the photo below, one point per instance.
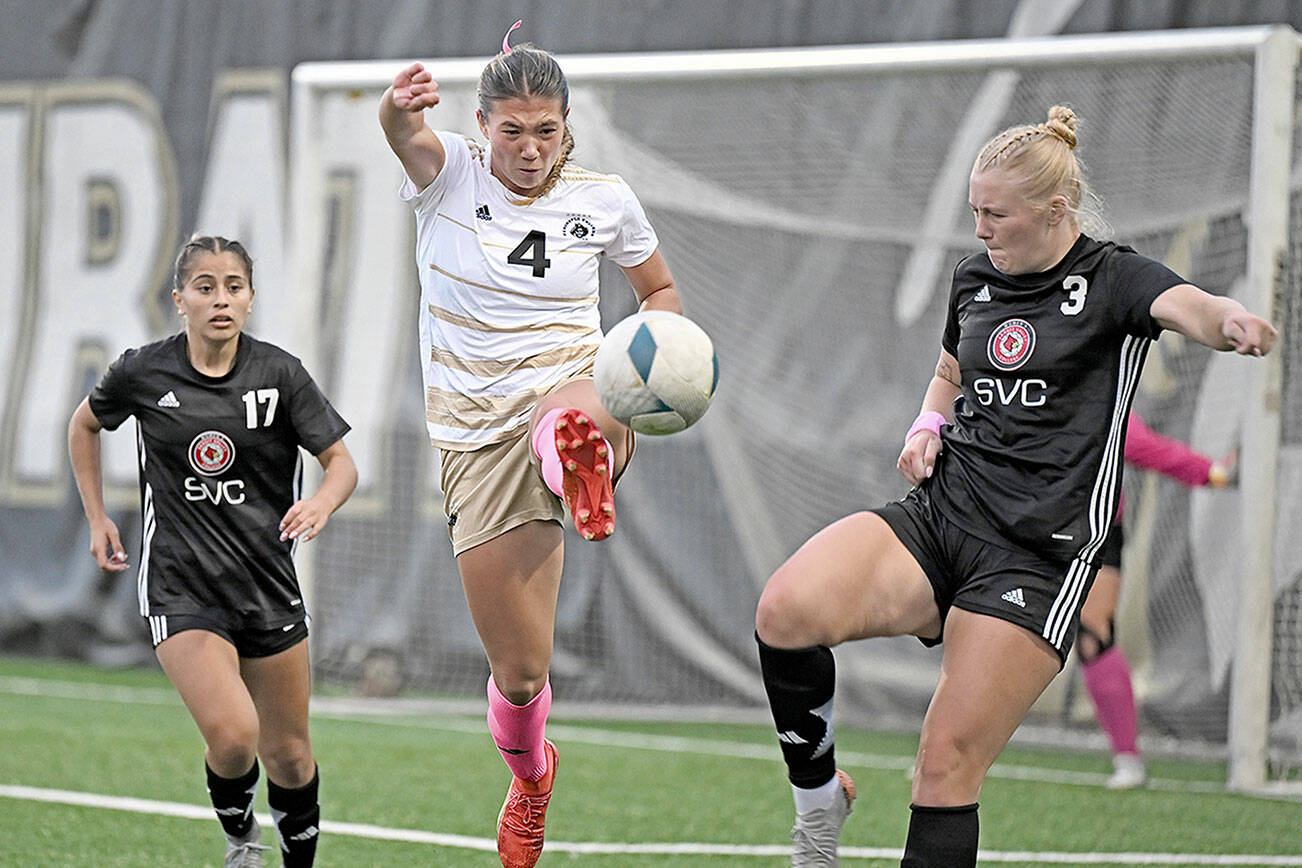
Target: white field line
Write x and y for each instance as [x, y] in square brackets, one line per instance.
[417, 715]
[466, 842]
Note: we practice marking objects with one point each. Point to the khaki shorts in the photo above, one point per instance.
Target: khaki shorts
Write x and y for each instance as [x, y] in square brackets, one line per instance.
[495, 488]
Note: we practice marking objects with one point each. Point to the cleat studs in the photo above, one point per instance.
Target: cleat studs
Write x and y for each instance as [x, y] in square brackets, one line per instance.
[601, 470]
[571, 465]
[561, 423]
[582, 420]
[576, 444]
[584, 515]
[561, 445]
[601, 451]
[608, 509]
[594, 436]
[610, 528]
[589, 535]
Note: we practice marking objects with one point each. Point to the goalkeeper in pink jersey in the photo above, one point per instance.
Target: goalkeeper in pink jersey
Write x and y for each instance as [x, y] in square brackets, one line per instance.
[1103, 666]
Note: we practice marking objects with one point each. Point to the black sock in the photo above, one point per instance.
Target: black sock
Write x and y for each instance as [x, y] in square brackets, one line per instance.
[941, 837]
[232, 798]
[298, 816]
[800, 685]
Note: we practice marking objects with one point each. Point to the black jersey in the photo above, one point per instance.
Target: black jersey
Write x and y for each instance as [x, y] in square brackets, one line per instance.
[219, 467]
[1049, 363]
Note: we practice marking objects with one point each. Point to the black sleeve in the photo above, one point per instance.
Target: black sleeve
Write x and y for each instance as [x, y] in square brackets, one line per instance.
[316, 423]
[949, 339]
[1138, 281]
[110, 400]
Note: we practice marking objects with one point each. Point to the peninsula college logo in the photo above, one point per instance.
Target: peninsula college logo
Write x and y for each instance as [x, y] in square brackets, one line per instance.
[1011, 344]
[578, 226]
[211, 453]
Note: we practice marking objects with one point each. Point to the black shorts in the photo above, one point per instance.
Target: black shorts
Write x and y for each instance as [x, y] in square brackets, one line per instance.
[1006, 582]
[248, 641]
[1110, 554]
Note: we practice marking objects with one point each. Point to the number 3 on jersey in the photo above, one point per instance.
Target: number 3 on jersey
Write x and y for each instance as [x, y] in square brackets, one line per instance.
[1076, 287]
[532, 251]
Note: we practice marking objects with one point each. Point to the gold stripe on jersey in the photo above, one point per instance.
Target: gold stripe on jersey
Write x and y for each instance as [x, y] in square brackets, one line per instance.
[469, 322]
[578, 173]
[591, 299]
[496, 368]
[472, 230]
[476, 413]
[586, 251]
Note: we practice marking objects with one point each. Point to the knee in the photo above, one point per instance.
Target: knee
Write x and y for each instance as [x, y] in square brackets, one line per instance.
[947, 772]
[1093, 640]
[289, 761]
[784, 617]
[520, 683]
[232, 746]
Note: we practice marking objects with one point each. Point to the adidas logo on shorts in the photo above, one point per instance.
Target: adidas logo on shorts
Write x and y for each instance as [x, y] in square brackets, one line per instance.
[1015, 597]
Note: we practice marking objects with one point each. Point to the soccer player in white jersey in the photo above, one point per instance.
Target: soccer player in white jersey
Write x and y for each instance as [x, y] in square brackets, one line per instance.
[220, 418]
[1016, 462]
[508, 244]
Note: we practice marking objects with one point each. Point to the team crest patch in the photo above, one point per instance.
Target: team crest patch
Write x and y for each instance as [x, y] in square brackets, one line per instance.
[211, 453]
[1011, 344]
[579, 226]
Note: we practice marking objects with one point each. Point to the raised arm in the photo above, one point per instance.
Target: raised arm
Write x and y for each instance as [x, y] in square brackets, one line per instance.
[402, 117]
[1213, 320]
[83, 451]
[922, 444]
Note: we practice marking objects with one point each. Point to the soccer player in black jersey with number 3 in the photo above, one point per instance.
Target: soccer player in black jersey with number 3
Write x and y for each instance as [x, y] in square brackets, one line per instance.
[1016, 461]
[220, 418]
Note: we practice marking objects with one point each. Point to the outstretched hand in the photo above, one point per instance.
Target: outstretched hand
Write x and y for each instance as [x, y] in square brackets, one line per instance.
[917, 460]
[1248, 334]
[414, 89]
[304, 520]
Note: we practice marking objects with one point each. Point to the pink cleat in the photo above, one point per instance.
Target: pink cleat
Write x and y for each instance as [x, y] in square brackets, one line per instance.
[587, 465]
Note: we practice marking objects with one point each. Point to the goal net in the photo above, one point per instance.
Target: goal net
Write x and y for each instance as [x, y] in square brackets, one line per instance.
[812, 204]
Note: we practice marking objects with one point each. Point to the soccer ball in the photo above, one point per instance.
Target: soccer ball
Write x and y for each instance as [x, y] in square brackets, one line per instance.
[656, 371]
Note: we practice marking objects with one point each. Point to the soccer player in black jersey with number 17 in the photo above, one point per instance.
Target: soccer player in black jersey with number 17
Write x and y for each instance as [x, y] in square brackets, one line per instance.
[220, 418]
[1016, 461]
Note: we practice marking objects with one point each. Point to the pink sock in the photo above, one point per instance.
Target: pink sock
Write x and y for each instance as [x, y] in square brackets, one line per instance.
[1107, 678]
[518, 730]
[544, 446]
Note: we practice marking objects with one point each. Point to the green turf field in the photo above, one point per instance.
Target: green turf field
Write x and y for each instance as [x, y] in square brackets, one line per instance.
[425, 790]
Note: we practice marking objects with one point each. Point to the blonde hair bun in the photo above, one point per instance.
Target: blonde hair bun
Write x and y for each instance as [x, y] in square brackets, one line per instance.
[1062, 123]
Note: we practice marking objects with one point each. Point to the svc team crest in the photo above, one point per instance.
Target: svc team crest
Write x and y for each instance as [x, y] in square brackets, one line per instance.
[1011, 344]
[211, 453]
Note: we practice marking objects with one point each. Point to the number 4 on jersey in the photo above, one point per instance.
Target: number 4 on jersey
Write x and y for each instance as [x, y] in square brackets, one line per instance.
[532, 251]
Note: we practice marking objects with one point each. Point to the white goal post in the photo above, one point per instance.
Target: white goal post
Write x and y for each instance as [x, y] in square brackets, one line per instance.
[812, 198]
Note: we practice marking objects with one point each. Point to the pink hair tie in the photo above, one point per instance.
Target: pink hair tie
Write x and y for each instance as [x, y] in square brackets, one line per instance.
[506, 40]
[928, 420]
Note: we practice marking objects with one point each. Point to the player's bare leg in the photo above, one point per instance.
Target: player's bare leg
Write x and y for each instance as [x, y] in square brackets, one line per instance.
[511, 584]
[280, 685]
[991, 673]
[852, 580]
[205, 669]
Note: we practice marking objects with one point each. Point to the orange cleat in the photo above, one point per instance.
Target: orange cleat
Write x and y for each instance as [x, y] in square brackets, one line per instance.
[587, 466]
[520, 823]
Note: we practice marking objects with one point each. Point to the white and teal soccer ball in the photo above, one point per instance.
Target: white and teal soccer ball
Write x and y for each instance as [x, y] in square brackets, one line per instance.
[656, 372]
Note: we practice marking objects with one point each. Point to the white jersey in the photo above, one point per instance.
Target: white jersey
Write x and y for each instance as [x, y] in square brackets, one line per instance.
[509, 291]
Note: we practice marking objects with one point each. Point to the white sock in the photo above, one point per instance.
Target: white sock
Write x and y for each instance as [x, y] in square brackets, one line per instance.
[818, 798]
